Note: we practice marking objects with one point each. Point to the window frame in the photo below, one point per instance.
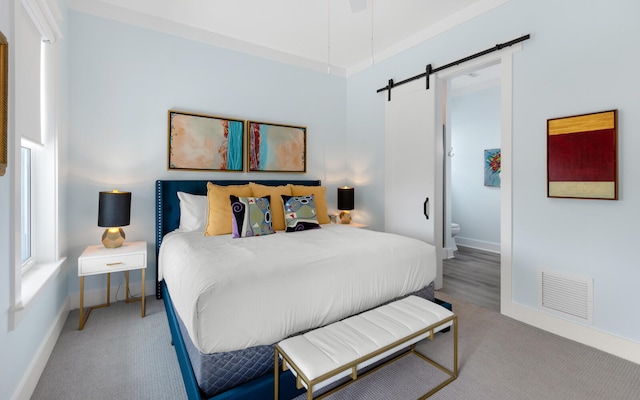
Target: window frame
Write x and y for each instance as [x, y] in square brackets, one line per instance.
[30, 259]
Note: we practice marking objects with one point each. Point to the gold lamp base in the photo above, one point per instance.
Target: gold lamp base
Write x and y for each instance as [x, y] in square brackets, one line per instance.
[345, 217]
[113, 238]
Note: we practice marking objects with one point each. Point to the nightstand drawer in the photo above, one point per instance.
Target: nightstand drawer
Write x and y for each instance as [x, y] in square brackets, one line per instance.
[103, 265]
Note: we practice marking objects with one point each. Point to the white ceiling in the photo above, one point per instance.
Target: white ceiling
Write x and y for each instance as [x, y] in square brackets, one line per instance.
[347, 35]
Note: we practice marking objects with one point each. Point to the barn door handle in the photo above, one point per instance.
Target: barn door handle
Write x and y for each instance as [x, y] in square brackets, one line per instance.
[425, 209]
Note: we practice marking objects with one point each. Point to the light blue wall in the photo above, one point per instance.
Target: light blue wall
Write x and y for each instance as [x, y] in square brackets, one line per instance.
[475, 126]
[124, 79]
[581, 58]
[553, 78]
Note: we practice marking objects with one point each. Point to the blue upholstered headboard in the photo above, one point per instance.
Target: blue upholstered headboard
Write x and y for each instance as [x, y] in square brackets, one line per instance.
[168, 205]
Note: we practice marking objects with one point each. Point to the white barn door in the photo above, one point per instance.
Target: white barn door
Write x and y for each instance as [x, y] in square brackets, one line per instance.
[413, 165]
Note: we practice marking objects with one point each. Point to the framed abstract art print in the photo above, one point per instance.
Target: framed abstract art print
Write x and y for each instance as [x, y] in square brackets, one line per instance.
[582, 156]
[205, 143]
[277, 148]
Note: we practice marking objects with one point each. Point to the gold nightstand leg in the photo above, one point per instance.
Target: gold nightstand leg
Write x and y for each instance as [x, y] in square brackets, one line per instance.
[142, 295]
[81, 324]
[84, 317]
[141, 299]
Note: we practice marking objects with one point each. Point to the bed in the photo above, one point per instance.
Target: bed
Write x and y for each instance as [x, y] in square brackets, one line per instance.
[226, 316]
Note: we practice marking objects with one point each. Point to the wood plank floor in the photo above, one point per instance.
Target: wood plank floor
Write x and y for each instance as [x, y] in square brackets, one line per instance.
[473, 275]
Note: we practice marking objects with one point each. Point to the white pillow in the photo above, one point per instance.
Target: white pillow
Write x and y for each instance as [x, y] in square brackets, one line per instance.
[193, 212]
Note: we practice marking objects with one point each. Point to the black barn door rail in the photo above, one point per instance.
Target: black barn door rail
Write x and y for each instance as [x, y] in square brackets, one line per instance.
[429, 70]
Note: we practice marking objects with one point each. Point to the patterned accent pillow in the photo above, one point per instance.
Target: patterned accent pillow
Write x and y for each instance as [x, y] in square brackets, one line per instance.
[219, 213]
[251, 216]
[275, 192]
[319, 196]
[300, 213]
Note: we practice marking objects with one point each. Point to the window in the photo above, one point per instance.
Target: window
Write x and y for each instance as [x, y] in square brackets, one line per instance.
[38, 117]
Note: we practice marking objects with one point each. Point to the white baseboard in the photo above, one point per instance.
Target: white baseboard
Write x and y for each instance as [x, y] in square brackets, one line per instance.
[478, 244]
[99, 296]
[30, 379]
[586, 335]
[449, 252]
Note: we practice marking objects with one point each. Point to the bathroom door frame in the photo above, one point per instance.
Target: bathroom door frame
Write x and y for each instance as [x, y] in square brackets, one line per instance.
[503, 57]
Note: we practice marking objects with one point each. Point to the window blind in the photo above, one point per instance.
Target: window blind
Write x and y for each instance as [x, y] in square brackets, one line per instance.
[35, 24]
[27, 77]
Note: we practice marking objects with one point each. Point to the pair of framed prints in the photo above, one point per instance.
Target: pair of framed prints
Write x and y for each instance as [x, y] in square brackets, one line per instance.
[207, 143]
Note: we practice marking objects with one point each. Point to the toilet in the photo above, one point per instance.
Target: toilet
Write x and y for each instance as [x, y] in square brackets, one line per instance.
[455, 229]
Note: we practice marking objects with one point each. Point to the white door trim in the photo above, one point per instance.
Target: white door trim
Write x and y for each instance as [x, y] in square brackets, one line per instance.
[505, 59]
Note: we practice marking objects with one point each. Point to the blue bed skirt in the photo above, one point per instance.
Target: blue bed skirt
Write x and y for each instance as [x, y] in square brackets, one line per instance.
[257, 389]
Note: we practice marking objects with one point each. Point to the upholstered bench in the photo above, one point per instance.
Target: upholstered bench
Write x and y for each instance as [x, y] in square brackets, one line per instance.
[328, 354]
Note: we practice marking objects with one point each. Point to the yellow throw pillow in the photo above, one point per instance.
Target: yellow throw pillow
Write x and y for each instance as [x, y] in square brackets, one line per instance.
[277, 211]
[219, 218]
[319, 196]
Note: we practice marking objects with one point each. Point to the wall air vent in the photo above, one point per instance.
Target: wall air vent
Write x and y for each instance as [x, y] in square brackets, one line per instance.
[567, 295]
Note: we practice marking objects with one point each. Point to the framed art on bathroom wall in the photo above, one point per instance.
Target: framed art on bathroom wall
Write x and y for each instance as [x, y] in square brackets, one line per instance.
[492, 167]
[582, 156]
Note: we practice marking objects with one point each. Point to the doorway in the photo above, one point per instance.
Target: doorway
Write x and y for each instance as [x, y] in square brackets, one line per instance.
[471, 156]
[472, 209]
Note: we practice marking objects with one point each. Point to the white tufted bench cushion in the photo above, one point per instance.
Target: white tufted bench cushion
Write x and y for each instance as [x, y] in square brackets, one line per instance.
[327, 354]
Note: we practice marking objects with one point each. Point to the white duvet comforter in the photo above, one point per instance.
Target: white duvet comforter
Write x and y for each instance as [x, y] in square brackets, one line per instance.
[233, 294]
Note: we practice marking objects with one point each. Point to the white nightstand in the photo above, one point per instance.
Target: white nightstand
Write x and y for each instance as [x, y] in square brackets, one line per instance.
[100, 260]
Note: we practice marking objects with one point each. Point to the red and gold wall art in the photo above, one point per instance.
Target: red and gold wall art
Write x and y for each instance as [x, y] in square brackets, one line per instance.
[582, 156]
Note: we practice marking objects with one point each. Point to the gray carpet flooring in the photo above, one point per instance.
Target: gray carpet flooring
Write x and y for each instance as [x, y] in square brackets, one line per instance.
[121, 356]
[117, 355]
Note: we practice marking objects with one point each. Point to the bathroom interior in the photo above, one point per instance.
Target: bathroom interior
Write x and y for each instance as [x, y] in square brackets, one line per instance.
[472, 210]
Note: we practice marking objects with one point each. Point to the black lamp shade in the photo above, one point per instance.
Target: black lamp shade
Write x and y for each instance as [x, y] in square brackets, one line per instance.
[345, 198]
[114, 209]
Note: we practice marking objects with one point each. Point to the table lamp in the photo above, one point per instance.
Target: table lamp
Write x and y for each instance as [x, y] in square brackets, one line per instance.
[345, 203]
[114, 211]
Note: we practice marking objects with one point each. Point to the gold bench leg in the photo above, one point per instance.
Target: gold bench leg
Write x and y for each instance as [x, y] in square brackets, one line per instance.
[453, 373]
